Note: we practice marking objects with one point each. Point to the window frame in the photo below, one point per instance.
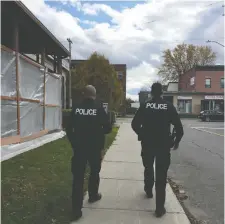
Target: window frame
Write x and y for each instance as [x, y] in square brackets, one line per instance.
[222, 86]
[119, 76]
[184, 102]
[210, 85]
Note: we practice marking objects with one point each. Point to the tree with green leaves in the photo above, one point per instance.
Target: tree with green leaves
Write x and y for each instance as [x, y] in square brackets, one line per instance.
[182, 58]
[97, 71]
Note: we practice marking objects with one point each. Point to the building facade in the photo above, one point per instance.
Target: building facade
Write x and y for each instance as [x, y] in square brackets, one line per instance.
[200, 88]
[208, 82]
[52, 68]
[143, 96]
[31, 82]
[121, 70]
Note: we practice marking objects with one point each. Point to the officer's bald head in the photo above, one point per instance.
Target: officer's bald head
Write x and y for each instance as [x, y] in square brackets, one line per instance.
[157, 89]
[90, 92]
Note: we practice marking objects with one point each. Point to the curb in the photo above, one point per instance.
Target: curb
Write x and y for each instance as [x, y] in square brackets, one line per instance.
[191, 218]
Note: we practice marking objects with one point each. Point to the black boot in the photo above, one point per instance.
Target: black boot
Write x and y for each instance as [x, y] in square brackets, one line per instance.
[95, 198]
[160, 212]
[149, 194]
[76, 215]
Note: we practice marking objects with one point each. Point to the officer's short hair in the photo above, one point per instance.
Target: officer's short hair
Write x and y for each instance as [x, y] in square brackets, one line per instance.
[156, 89]
[89, 92]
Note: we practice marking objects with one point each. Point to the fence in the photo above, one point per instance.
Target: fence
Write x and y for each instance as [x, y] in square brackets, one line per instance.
[30, 99]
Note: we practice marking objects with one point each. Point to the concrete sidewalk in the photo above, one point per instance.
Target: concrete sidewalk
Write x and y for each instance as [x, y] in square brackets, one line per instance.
[124, 200]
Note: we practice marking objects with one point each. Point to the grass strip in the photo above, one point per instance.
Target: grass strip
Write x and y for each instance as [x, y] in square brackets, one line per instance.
[36, 185]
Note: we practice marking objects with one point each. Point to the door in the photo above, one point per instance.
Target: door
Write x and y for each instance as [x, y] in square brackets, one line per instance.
[204, 105]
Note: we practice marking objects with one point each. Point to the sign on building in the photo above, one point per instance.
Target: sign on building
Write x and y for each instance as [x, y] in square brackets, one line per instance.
[184, 97]
[66, 64]
[105, 105]
[214, 97]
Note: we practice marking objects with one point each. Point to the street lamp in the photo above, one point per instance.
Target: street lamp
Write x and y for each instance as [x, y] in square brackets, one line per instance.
[212, 41]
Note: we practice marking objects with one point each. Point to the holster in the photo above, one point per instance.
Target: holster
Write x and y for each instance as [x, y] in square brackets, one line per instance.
[140, 135]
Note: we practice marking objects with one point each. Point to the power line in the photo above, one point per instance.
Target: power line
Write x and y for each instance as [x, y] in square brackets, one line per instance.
[187, 40]
[206, 7]
[213, 41]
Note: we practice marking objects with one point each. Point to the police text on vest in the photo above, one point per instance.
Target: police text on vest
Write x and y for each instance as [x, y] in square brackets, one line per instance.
[156, 106]
[92, 112]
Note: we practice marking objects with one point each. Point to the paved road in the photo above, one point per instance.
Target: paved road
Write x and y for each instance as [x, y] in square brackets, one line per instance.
[199, 167]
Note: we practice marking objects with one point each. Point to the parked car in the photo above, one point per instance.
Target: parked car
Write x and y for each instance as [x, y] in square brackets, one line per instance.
[211, 115]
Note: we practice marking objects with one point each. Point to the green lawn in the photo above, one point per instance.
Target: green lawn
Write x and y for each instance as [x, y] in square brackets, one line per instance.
[36, 185]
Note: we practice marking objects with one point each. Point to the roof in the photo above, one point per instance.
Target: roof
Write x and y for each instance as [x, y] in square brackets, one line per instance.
[209, 68]
[78, 61]
[172, 93]
[40, 37]
[73, 61]
[144, 92]
[206, 68]
[120, 65]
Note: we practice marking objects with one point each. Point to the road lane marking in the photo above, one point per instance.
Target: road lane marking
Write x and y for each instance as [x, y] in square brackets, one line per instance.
[214, 133]
[209, 128]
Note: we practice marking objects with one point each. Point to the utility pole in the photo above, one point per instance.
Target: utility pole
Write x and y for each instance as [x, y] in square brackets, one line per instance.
[70, 83]
[212, 41]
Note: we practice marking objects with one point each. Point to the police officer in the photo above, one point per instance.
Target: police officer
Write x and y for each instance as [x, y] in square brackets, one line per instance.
[152, 125]
[87, 127]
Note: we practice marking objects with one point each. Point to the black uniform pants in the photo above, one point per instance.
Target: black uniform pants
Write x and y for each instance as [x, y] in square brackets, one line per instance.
[78, 166]
[162, 163]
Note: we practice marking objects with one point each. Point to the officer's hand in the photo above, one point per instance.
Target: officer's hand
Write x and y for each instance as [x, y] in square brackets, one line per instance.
[176, 146]
[102, 155]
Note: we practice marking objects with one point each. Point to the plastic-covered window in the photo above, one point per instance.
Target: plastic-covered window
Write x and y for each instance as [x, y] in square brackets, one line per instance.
[8, 73]
[53, 90]
[8, 118]
[53, 116]
[31, 118]
[31, 80]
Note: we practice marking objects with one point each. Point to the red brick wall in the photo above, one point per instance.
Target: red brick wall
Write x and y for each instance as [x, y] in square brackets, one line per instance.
[215, 81]
[184, 82]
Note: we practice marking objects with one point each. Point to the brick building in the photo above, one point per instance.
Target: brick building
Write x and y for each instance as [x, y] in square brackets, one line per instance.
[121, 70]
[207, 79]
[200, 88]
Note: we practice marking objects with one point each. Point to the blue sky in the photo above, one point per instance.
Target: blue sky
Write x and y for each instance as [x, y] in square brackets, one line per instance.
[101, 17]
[121, 31]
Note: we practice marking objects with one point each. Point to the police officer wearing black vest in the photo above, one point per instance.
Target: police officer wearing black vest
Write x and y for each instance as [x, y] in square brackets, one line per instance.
[86, 131]
[152, 123]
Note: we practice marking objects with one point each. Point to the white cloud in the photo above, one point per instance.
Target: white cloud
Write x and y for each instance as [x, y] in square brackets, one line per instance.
[132, 96]
[140, 75]
[88, 22]
[87, 9]
[135, 36]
